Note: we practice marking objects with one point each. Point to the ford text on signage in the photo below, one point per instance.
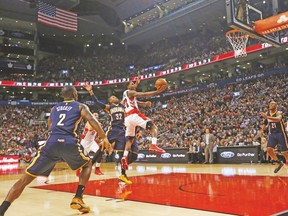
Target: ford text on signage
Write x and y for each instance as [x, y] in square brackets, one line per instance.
[227, 154]
[238, 154]
[171, 156]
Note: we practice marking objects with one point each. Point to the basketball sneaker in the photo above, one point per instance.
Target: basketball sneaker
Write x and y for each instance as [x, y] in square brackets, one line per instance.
[156, 149]
[280, 165]
[124, 194]
[78, 172]
[125, 179]
[77, 203]
[124, 162]
[97, 171]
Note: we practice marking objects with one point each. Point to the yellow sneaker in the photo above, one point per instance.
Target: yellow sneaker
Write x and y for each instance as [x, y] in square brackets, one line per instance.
[124, 195]
[125, 179]
[77, 203]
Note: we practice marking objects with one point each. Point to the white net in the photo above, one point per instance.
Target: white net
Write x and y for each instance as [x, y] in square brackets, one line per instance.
[238, 40]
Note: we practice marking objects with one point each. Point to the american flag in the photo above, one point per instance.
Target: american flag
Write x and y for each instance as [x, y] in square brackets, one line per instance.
[53, 16]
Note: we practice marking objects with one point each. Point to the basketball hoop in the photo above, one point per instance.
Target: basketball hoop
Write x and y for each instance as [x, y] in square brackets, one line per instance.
[238, 40]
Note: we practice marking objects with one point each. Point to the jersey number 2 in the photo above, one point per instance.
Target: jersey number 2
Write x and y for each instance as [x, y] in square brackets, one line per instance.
[62, 117]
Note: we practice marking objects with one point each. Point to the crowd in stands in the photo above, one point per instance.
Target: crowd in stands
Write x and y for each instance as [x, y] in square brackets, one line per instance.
[107, 65]
[20, 129]
[233, 119]
[114, 62]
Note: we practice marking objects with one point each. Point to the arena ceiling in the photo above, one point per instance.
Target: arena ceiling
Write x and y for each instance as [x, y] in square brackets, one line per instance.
[104, 17]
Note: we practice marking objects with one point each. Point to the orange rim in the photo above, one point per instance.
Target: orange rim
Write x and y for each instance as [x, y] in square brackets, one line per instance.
[231, 32]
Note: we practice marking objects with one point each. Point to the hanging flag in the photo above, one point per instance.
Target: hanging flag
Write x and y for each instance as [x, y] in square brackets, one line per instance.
[53, 16]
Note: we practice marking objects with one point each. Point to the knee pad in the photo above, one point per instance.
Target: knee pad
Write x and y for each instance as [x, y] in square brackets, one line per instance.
[149, 125]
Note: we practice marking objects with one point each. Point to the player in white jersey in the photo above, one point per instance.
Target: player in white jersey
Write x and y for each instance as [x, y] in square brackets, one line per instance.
[90, 145]
[134, 118]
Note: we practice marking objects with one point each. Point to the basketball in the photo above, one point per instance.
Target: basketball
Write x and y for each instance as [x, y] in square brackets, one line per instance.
[159, 82]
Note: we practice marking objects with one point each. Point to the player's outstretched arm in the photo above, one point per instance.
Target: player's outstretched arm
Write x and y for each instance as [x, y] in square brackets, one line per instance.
[132, 93]
[144, 104]
[95, 99]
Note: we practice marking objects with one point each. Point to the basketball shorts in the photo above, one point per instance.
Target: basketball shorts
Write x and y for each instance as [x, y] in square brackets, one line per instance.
[56, 149]
[134, 120]
[117, 136]
[279, 139]
[89, 146]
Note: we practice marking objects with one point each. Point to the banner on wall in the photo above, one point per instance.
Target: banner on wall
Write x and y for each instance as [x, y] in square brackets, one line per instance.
[171, 156]
[8, 159]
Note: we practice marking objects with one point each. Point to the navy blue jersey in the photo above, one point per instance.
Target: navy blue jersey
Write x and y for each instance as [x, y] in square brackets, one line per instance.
[65, 118]
[275, 127]
[116, 115]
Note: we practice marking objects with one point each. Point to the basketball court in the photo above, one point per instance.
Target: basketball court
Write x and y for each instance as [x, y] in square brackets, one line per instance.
[157, 189]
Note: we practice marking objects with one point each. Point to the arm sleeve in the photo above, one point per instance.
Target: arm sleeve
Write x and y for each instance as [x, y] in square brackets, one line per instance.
[97, 102]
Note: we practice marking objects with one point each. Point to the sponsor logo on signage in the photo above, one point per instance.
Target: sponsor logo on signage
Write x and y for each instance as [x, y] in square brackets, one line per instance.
[10, 65]
[151, 156]
[8, 160]
[141, 156]
[2, 32]
[227, 154]
[282, 18]
[166, 155]
[178, 155]
[245, 154]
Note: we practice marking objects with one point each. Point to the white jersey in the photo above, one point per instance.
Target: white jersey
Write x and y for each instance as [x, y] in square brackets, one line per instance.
[88, 136]
[129, 103]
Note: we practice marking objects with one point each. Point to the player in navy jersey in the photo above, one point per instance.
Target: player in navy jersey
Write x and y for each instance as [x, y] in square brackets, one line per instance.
[62, 145]
[116, 129]
[276, 134]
